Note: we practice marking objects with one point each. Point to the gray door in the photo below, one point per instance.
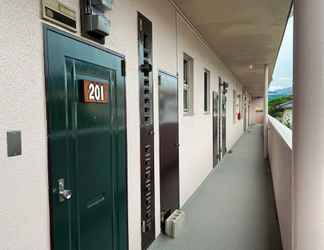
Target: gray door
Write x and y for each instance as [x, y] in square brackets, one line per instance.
[224, 100]
[169, 151]
[245, 112]
[215, 128]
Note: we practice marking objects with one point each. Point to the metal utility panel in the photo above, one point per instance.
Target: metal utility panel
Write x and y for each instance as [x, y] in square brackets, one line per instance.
[95, 24]
[220, 83]
[215, 128]
[169, 145]
[103, 4]
[146, 130]
[224, 102]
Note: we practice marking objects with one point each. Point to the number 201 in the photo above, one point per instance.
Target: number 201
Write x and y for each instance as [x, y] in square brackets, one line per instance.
[96, 92]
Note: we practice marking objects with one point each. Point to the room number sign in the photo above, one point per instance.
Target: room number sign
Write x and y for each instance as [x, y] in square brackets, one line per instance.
[95, 92]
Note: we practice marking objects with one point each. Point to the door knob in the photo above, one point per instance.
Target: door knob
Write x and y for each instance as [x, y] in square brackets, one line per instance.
[64, 194]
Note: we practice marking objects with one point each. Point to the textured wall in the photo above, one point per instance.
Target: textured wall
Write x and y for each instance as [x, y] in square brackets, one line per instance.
[196, 155]
[24, 220]
[24, 212]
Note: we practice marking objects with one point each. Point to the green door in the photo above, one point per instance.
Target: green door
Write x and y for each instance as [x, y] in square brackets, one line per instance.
[87, 145]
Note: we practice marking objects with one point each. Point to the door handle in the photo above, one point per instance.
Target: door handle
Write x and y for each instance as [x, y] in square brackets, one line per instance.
[64, 194]
[146, 67]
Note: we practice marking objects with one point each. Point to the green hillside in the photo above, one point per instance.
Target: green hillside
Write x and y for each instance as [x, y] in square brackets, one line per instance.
[275, 102]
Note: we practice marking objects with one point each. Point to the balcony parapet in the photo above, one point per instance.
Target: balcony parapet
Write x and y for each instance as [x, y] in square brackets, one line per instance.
[280, 157]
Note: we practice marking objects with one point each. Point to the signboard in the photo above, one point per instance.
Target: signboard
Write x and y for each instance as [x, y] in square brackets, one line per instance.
[58, 13]
[95, 92]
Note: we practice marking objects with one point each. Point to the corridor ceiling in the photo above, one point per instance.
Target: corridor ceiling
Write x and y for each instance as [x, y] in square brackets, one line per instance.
[242, 33]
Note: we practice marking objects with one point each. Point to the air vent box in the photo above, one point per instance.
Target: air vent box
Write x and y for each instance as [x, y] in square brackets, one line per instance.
[102, 4]
[97, 25]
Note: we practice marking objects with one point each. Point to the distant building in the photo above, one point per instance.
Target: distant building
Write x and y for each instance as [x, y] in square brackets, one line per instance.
[287, 115]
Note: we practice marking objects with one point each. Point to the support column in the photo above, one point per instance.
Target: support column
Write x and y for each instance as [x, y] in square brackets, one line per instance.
[265, 110]
[308, 126]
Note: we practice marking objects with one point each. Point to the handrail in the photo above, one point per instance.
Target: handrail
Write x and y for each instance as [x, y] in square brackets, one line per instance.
[282, 130]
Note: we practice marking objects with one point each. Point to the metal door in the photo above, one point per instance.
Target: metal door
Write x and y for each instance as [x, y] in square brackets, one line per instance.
[169, 145]
[215, 128]
[147, 130]
[245, 112]
[86, 145]
[220, 94]
[224, 101]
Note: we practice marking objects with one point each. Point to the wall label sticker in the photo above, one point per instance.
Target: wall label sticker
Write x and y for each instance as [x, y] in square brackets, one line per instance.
[95, 92]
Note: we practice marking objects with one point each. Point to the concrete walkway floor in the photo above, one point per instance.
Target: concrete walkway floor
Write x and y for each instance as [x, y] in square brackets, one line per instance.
[234, 208]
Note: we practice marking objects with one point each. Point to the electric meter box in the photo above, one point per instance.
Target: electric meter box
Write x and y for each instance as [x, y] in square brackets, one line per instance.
[97, 25]
[102, 4]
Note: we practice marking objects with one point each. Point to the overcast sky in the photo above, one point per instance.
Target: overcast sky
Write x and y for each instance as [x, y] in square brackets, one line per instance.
[283, 73]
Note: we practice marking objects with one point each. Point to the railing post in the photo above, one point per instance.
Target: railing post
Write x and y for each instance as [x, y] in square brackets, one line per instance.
[265, 109]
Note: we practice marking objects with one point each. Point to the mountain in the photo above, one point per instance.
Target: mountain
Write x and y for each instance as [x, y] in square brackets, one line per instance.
[280, 93]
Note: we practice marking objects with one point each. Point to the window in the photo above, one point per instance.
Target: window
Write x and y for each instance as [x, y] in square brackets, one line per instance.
[206, 91]
[187, 84]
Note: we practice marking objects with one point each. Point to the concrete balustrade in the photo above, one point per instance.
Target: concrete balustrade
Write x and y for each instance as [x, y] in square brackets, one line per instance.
[280, 157]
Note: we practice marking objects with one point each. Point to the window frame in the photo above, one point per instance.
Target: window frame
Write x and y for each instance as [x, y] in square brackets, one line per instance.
[206, 91]
[188, 84]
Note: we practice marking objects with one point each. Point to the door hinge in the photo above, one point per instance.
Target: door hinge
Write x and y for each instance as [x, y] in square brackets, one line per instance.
[123, 67]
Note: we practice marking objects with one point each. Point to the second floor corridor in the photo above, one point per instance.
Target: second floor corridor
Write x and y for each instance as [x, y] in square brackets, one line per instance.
[234, 209]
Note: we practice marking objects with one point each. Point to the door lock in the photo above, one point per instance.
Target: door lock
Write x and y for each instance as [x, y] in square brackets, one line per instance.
[64, 194]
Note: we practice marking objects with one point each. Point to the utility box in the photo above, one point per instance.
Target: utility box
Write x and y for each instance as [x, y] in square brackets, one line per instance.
[97, 25]
[174, 223]
[102, 4]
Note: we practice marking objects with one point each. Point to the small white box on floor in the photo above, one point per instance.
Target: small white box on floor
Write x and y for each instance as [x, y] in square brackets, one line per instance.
[174, 223]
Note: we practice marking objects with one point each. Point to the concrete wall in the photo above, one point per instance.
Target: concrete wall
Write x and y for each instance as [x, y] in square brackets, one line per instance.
[24, 213]
[280, 156]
